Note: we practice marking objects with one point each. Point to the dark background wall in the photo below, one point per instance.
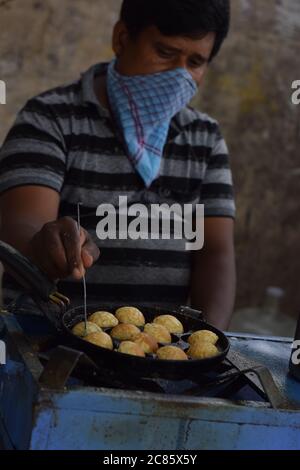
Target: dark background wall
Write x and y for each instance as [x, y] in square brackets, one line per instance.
[248, 89]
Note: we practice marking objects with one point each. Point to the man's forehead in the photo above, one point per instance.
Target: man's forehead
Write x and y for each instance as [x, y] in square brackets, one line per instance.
[201, 44]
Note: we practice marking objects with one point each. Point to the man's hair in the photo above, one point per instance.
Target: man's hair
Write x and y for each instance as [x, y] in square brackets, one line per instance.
[192, 18]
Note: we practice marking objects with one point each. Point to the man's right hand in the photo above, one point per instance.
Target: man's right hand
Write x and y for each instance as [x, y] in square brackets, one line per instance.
[60, 250]
[30, 223]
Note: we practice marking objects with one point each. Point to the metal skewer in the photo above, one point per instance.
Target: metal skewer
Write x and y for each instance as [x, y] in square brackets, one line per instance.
[83, 279]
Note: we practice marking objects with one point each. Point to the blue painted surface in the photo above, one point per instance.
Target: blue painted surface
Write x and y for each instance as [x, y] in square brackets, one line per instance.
[275, 355]
[17, 395]
[96, 419]
[86, 418]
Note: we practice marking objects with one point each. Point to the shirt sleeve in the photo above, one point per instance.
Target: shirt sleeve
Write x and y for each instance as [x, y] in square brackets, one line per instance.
[217, 193]
[33, 152]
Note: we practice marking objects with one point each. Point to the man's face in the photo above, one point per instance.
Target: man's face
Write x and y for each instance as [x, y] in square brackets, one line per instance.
[152, 52]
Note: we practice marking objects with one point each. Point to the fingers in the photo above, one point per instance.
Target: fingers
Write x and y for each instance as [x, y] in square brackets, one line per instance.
[90, 252]
[54, 255]
[71, 239]
[61, 250]
[47, 251]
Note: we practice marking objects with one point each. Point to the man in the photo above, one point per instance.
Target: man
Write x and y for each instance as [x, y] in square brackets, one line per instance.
[125, 129]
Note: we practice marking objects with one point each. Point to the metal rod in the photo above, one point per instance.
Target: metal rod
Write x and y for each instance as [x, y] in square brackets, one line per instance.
[83, 279]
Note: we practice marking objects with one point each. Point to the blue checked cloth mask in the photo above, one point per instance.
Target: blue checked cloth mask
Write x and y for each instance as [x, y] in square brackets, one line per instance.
[143, 106]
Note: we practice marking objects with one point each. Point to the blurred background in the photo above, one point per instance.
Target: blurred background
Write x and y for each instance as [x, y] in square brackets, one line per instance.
[44, 43]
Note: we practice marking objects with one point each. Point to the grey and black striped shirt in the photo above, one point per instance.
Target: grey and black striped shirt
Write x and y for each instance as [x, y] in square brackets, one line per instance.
[65, 140]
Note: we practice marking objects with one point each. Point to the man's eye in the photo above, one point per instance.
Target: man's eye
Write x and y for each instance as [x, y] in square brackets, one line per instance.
[196, 64]
[165, 54]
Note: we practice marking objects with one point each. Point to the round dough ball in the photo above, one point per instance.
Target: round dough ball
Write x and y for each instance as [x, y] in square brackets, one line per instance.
[170, 322]
[79, 329]
[100, 339]
[125, 332]
[104, 319]
[202, 351]
[159, 332]
[203, 336]
[130, 315]
[171, 353]
[128, 347]
[147, 343]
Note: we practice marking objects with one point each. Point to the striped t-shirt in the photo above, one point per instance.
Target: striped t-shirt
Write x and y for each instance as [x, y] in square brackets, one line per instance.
[64, 139]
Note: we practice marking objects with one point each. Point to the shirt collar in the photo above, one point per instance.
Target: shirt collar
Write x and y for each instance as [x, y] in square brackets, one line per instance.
[88, 92]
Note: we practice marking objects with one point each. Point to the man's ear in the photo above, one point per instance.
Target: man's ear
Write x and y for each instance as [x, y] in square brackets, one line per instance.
[120, 38]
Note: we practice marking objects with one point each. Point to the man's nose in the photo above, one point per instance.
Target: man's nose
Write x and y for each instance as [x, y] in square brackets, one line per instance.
[197, 75]
[180, 62]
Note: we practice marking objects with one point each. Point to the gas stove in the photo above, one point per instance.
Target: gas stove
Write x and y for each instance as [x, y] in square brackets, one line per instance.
[248, 402]
[235, 379]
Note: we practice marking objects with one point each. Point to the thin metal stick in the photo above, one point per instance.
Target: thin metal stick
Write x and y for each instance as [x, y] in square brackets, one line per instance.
[83, 279]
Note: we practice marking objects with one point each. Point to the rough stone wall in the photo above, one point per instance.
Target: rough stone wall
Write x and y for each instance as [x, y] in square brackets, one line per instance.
[44, 43]
[48, 42]
[249, 91]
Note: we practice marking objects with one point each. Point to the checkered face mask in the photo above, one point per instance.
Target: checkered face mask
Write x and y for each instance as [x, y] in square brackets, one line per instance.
[143, 106]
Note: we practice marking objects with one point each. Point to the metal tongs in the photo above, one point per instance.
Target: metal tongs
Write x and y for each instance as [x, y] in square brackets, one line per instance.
[35, 283]
[83, 278]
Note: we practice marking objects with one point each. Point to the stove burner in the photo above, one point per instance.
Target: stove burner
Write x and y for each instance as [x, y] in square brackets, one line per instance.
[65, 367]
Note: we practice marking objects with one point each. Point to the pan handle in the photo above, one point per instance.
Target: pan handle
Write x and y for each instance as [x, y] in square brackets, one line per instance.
[27, 275]
[190, 312]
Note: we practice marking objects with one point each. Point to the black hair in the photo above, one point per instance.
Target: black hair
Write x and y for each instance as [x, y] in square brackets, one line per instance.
[192, 18]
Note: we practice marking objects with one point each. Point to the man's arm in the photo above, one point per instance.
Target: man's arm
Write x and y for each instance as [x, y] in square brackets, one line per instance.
[29, 223]
[24, 211]
[213, 283]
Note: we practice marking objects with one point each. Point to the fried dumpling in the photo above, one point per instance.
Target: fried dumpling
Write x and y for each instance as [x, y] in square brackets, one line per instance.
[170, 322]
[104, 319]
[171, 353]
[159, 332]
[203, 336]
[100, 339]
[125, 332]
[128, 347]
[81, 331]
[130, 315]
[202, 351]
[147, 343]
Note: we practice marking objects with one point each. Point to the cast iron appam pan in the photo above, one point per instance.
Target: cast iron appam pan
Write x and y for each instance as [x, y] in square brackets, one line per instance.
[149, 367]
[56, 308]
